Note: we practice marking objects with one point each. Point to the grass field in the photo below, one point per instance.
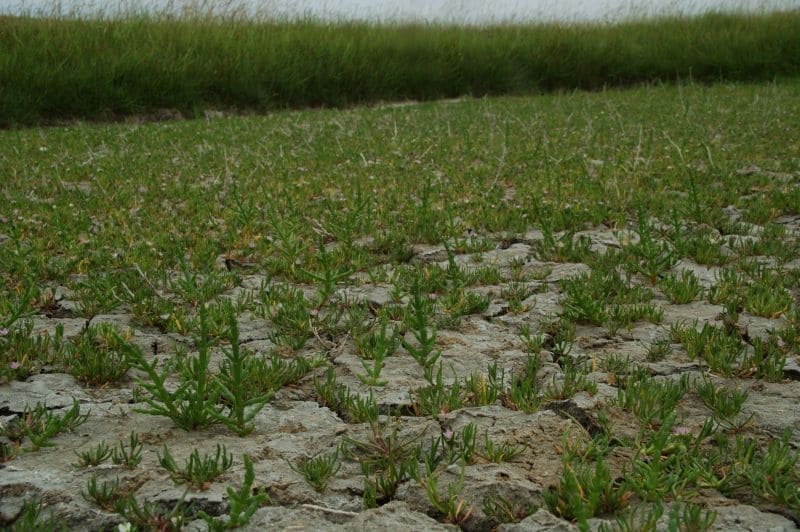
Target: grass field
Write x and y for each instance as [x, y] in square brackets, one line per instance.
[592, 293]
[59, 68]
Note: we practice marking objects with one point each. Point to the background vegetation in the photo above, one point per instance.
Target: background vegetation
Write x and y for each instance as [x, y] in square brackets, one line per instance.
[101, 68]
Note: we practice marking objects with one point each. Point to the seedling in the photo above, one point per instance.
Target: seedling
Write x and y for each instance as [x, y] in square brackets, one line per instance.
[383, 448]
[502, 510]
[681, 289]
[40, 425]
[97, 358]
[451, 507]
[726, 403]
[288, 310]
[23, 353]
[651, 400]
[564, 248]
[627, 315]
[13, 309]
[196, 288]
[499, 453]
[242, 407]
[318, 469]
[533, 343]
[106, 495]
[331, 394]
[661, 467]
[458, 303]
[691, 516]
[574, 380]
[766, 361]
[330, 275]
[650, 257]
[418, 320]
[584, 492]
[720, 350]
[729, 286]
[129, 456]
[96, 294]
[152, 516]
[95, 456]
[703, 249]
[484, 389]
[659, 350]
[243, 503]
[194, 404]
[263, 376]
[197, 472]
[381, 485]
[767, 300]
[30, 518]
[525, 393]
[376, 346]
[642, 519]
[436, 398]
[461, 446]
[515, 293]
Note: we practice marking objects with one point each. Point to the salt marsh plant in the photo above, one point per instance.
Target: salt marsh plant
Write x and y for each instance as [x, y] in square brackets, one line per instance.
[94, 456]
[39, 425]
[452, 507]
[650, 399]
[248, 198]
[681, 289]
[194, 404]
[725, 403]
[421, 327]
[437, 398]
[198, 472]
[376, 346]
[330, 274]
[288, 310]
[129, 455]
[243, 502]
[458, 60]
[585, 491]
[203, 399]
[319, 469]
[24, 353]
[97, 358]
[242, 407]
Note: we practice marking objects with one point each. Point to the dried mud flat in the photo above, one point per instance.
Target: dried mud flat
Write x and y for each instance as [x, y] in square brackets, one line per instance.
[297, 424]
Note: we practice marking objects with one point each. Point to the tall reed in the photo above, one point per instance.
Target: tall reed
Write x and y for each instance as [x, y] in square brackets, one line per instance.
[58, 68]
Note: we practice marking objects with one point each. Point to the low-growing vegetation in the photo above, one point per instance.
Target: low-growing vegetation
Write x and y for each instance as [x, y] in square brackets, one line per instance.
[584, 304]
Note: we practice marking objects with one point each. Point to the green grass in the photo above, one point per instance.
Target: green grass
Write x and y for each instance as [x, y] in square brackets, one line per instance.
[61, 68]
[129, 204]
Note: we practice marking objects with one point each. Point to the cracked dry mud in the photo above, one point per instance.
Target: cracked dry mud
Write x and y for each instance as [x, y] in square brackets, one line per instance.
[294, 425]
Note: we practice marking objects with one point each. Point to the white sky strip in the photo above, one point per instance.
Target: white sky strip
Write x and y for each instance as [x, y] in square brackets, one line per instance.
[467, 12]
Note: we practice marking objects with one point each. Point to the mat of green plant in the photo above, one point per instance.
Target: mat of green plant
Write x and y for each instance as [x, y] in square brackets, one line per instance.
[583, 303]
[61, 68]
